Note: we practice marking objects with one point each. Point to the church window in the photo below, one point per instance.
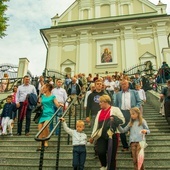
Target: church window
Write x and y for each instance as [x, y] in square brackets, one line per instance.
[125, 9]
[85, 14]
[105, 10]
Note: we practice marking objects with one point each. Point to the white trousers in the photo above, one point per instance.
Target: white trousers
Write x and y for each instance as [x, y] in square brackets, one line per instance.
[6, 122]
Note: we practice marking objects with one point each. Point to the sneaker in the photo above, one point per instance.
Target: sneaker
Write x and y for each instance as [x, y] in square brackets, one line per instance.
[27, 134]
[103, 168]
[10, 134]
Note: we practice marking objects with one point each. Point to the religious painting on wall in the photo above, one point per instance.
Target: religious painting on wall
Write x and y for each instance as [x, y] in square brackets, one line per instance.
[106, 54]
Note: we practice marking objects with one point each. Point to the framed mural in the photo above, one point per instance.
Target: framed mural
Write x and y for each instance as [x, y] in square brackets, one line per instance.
[106, 53]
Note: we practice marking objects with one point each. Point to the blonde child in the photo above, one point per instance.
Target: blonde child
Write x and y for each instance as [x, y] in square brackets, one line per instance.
[79, 141]
[138, 128]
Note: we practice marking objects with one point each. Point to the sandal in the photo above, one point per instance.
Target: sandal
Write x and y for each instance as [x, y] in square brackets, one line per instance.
[38, 149]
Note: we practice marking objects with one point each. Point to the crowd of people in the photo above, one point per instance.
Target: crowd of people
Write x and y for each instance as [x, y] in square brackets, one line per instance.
[112, 103]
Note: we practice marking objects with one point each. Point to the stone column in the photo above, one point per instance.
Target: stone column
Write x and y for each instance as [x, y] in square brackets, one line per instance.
[83, 55]
[130, 43]
[166, 55]
[23, 67]
[161, 39]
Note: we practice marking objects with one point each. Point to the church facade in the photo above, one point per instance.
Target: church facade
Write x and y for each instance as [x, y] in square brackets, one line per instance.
[99, 36]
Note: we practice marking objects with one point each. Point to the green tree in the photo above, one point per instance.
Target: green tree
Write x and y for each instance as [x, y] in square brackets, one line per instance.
[3, 19]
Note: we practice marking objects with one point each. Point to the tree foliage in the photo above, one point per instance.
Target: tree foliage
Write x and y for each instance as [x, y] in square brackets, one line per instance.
[3, 18]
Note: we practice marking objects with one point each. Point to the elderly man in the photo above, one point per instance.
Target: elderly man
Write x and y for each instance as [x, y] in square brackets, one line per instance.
[125, 100]
[73, 91]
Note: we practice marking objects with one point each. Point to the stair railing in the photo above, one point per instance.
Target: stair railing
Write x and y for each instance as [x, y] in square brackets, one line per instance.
[15, 81]
[2, 101]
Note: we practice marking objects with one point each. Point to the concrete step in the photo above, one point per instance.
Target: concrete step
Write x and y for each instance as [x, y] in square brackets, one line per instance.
[19, 152]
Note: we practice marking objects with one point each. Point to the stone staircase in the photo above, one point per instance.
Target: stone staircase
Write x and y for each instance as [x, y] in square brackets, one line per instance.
[19, 152]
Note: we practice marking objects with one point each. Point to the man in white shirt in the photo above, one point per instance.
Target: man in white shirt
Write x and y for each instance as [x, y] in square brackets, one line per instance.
[21, 95]
[109, 84]
[61, 97]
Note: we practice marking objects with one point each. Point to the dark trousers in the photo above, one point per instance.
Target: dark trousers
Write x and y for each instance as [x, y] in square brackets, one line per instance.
[28, 120]
[126, 115]
[102, 150]
[59, 114]
[167, 110]
[79, 157]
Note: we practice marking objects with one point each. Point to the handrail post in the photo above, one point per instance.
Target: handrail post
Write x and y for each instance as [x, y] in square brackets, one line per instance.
[58, 147]
[41, 155]
[75, 120]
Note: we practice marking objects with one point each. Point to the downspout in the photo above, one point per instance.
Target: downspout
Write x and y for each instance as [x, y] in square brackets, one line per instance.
[44, 40]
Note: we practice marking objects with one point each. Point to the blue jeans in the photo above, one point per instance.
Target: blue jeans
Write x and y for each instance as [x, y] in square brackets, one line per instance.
[79, 157]
[59, 114]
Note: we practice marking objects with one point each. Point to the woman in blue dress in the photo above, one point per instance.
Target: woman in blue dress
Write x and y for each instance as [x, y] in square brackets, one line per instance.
[48, 102]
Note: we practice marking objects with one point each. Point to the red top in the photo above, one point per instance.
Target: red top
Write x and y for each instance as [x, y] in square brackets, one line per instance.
[104, 114]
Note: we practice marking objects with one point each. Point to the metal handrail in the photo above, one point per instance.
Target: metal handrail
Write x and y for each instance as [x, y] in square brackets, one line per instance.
[16, 81]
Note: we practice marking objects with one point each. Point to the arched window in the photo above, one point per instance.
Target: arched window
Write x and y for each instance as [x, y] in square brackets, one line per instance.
[125, 9]
[85, 14]
[105, 10]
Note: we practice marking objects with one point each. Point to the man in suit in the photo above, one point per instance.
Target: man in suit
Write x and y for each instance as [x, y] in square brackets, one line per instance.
[125, 100]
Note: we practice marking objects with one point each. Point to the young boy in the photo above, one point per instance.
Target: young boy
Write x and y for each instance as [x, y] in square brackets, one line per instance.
[6, 116]
[79, 140]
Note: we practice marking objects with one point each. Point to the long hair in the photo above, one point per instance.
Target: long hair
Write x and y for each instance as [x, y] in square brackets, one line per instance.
[136, 110]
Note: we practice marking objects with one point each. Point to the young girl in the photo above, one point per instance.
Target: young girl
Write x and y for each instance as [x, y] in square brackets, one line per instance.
[138, 128]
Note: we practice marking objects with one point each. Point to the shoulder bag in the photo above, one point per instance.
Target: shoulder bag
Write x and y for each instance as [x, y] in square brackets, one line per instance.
[97, 134]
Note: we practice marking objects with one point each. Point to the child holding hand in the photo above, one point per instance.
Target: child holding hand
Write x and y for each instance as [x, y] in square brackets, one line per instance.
[79, 140]
[7, 115]
[138, 128]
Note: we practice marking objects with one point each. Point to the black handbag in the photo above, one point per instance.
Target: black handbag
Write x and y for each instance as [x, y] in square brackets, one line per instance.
[38, 111]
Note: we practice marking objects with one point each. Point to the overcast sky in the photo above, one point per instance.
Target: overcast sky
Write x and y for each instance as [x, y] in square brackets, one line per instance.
[23, 40]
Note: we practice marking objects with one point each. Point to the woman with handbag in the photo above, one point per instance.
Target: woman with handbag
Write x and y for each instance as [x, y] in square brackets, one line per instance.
[106, 134]
[48, 101]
